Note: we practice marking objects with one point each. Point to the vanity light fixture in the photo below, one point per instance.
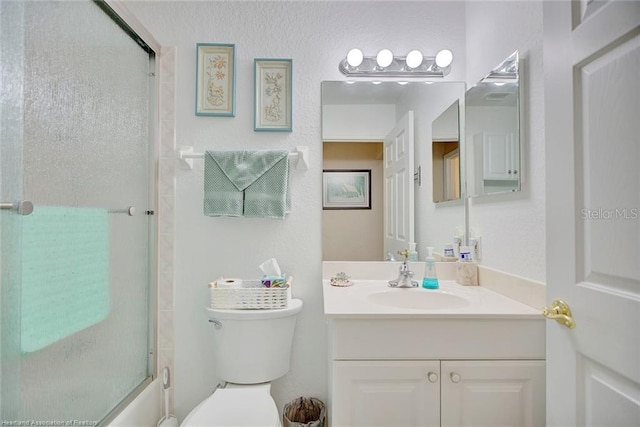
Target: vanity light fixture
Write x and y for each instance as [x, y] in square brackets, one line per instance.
[355, 57]
[414, 59]
[444, 58]
[385, 64]
[384, 58]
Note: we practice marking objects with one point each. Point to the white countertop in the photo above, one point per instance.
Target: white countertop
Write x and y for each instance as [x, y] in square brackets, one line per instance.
[374, 299]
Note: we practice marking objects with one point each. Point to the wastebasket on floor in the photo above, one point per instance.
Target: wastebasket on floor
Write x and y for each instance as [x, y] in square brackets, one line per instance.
[304, 412]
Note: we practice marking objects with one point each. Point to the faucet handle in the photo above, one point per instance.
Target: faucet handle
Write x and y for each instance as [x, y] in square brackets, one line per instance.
[404, 253]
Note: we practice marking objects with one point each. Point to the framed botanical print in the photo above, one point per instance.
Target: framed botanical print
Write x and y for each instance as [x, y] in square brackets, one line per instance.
[273, 85]
[215, 79]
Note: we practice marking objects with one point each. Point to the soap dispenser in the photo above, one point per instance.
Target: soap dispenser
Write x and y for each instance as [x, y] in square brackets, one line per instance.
[430, 280]
[413, 254]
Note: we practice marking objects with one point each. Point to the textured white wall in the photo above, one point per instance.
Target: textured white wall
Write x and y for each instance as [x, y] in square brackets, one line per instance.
[316, 35]
[512, 226]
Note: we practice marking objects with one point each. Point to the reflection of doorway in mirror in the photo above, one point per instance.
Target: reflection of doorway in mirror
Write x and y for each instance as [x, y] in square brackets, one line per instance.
[452, 175]
[354, 235]
[446, 162]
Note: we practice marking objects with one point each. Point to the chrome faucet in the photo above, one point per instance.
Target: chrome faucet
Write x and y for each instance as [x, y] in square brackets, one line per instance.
[404, 279]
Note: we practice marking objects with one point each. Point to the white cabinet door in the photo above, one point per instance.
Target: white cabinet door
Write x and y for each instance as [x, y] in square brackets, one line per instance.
[493, 393]
[386, 393]
[500, 156]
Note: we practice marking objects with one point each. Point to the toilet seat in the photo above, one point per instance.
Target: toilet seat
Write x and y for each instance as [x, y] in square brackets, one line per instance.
[246, 405]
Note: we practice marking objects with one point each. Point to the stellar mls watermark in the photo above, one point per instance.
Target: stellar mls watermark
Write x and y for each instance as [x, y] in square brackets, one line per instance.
[610, 214]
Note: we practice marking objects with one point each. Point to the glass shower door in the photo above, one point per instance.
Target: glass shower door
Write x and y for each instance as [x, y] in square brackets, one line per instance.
[76, 142]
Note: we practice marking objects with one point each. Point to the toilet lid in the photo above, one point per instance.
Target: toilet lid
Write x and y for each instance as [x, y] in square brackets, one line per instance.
[243, 406]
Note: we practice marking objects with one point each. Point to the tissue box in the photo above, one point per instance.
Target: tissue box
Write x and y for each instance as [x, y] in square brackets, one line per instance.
[273, 281]
[467, 273]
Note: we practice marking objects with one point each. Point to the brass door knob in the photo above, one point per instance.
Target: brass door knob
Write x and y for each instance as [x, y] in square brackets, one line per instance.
[560, 312]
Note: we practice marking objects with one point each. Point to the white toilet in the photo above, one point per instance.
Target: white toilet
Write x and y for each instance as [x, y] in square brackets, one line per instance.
[251, 348]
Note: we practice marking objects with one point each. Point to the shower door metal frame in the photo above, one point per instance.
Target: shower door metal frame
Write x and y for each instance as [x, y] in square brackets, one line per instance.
[130, 25]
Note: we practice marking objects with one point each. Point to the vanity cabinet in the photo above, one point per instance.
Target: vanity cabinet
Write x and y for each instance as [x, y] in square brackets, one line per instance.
[437, 372]
[433, 393]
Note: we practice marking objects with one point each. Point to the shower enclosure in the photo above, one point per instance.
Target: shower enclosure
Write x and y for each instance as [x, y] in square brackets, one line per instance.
[77, 187]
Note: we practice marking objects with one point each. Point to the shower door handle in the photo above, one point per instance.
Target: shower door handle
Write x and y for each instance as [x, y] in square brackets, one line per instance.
[24, 208]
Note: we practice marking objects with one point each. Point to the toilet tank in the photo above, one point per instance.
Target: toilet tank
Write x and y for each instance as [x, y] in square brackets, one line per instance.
[252, 346]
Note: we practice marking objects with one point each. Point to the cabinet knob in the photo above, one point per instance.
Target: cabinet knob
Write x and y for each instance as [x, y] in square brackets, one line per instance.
[432, 377]
[509, 171]
[455, 377]
[515, 172]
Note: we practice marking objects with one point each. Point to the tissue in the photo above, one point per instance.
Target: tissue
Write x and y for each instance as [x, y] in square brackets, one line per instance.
[273, 277]
[271, 268]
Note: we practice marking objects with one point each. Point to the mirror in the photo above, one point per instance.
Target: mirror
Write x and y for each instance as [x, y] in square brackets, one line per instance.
[492, 123]
[446, 155]
[359, 120]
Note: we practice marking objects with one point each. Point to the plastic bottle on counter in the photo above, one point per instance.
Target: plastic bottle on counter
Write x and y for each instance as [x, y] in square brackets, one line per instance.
[430, 279]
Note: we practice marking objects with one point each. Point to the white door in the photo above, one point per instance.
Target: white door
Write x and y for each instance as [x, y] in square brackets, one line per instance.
[592, 114]
[386, 393]
[398, 186]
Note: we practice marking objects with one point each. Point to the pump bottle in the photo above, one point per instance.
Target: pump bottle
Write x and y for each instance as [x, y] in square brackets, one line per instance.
[430, 280]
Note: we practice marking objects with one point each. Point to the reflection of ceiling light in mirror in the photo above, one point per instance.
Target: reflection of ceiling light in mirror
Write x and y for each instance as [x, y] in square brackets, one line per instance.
[355, 57]
[376, 83]
[384, 58]
[350, 82]
[402, 83]
[444, 58]
[499, 84]
[414, 59]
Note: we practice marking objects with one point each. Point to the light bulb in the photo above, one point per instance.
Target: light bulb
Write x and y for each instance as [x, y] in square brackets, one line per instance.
[414, 59]
[355, 57]
[384, 58]
[444, 58]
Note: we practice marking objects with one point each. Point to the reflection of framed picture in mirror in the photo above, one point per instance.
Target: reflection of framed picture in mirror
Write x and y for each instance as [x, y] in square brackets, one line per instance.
[346, 189]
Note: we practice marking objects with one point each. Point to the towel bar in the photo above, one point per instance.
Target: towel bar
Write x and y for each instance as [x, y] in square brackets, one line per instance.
[23, 208]
[301, 155]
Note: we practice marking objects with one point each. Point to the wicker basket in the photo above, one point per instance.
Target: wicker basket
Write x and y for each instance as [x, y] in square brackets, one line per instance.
[252, 295]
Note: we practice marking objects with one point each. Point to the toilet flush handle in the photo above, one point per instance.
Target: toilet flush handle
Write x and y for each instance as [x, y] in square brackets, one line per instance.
[216, 323]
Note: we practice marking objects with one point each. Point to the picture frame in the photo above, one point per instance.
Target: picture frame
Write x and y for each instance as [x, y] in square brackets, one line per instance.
[346, 189]
[215, 79]
[273, 94]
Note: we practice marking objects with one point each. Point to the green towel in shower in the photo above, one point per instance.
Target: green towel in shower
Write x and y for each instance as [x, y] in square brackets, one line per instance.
[247, 183]
[65, 273]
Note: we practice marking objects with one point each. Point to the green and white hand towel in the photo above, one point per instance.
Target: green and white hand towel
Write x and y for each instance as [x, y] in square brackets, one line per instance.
[246, 183]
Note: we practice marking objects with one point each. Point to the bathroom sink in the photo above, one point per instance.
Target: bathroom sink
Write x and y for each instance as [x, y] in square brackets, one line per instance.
[417, 299]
